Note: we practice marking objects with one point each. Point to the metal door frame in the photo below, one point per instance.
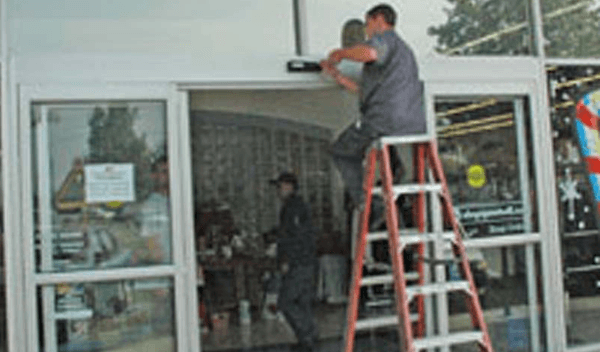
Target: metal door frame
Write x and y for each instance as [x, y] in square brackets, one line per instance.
[182, 271]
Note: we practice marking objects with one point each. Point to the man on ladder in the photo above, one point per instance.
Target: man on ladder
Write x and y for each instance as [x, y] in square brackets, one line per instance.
[391, 103]
[391, 95]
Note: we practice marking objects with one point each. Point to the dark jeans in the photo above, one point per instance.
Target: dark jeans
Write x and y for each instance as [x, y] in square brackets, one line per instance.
[295, 301]
[348, 152]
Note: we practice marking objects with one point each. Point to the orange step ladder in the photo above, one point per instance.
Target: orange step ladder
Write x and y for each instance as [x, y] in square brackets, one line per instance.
[431, 242]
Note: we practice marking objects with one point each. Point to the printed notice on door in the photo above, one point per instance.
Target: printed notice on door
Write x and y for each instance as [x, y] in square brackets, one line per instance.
[109, 183]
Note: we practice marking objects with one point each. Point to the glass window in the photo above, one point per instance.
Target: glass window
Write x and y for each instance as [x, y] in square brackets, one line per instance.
[511, 297]
[574, 97]
[483, 144]
[571, 28]
[131, 315]
[101, 195]
[446, 27]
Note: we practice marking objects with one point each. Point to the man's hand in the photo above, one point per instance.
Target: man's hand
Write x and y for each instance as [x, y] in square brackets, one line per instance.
[335, 57]
[330, 70]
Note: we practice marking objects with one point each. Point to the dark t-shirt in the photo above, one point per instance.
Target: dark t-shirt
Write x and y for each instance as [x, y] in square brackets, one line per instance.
[391, 95]
[296, 241]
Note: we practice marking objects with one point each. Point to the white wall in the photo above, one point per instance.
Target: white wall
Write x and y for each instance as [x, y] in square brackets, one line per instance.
[185, 40]
[87, 39]
[208, 29]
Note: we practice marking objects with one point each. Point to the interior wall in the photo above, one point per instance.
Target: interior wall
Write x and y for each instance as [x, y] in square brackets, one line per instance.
[331, 108]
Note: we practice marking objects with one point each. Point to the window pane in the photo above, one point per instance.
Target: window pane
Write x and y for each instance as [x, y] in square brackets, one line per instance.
[485, 149]
[115, 316]
[575, 146]
[498, 27]
[571, 28]
[101, 189]
[504, 280]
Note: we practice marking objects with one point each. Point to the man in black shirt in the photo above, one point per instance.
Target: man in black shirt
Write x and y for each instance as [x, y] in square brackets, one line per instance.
[296, 260]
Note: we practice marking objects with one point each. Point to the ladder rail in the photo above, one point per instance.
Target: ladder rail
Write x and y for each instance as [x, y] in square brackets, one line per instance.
[352, 309]
[412, 330]
[458, 246]
[402, 301]
[419, 211]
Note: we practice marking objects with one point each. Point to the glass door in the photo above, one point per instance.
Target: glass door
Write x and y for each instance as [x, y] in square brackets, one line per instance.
[484, 134]
[104, 231]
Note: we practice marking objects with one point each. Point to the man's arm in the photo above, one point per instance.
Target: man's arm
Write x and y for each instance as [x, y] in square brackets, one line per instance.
[358, 53]
[342, 80]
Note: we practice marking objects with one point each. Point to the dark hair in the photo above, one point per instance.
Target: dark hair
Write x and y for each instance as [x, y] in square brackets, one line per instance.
[385, 10]
[286, 177]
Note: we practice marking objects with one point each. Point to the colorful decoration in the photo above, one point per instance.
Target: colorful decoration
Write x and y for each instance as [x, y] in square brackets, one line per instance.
[586, 123]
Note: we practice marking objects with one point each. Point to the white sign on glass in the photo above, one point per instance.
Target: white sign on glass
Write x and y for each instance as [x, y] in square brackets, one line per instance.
[109, 183]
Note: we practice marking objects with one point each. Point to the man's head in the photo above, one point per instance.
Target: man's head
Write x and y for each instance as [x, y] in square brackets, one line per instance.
[286, 183]
[379, 19]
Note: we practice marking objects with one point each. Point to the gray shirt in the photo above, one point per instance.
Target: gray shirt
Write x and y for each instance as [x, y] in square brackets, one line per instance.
[391, 95]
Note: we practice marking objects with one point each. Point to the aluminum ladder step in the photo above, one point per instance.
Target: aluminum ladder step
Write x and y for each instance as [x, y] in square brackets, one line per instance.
[373, 280]
[430, 289]
[398, 140]
[410, 237]
[447, 340]
[411, 188]
[381, 322]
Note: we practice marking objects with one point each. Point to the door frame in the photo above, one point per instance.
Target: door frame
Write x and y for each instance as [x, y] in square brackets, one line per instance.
[542, 153]
[182, 271]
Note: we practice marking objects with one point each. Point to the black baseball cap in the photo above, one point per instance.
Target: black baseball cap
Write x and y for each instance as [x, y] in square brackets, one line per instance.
[286, 177]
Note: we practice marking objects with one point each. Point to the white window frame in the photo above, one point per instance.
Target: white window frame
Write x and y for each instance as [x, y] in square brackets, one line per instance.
[181, 271]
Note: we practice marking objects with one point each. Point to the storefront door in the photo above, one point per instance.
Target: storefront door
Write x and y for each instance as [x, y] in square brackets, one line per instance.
[104, 221]
[485, 139]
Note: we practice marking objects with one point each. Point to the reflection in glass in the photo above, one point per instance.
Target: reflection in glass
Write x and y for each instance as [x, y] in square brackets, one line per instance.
[497, 27]
[571, 28]
[508, 305]
[134, 315]
[483, 144]
[577, 213]
[102, 195]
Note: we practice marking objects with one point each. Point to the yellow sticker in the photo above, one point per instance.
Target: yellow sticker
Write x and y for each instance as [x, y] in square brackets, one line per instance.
[476, 176]
[115, 204]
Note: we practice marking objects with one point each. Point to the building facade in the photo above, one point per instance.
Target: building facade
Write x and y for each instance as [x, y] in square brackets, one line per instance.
[138, 141]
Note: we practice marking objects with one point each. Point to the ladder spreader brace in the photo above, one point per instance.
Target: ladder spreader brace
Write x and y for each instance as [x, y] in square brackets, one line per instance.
[411, 329]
